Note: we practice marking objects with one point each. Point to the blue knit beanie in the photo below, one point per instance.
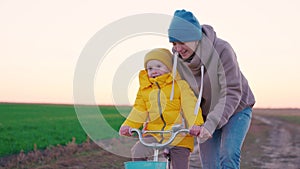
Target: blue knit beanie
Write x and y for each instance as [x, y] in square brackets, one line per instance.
[184, 27]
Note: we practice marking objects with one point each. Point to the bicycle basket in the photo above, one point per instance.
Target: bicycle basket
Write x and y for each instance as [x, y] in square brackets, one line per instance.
[145, 165]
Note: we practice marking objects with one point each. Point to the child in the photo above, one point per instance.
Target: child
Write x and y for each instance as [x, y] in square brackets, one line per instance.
[161, 104]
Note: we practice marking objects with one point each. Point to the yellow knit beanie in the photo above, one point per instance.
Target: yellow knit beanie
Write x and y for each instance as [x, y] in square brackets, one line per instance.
[161, 54]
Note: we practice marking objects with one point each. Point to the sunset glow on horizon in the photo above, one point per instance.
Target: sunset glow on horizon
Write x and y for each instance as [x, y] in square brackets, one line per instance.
[42, 41]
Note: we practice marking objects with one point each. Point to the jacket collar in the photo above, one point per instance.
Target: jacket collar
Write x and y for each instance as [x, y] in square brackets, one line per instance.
[162, 80]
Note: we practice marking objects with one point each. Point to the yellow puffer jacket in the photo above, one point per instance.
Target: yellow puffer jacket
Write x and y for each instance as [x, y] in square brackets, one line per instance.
[153, 105]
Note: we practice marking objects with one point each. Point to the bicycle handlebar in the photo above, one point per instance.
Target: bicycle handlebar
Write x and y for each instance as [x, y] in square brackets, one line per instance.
[158, 145]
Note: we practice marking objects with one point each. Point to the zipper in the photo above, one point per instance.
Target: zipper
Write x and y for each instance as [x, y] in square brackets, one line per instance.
[160, 111]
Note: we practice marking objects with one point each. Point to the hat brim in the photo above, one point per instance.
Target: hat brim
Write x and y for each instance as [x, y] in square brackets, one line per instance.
[180, 35]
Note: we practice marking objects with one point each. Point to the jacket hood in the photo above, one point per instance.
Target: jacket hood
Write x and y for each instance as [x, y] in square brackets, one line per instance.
[210, 33]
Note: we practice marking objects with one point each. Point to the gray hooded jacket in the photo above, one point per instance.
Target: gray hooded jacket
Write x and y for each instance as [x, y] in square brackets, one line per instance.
[225, 89]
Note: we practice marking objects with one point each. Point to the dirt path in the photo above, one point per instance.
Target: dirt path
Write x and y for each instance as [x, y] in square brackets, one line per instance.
[281, 150]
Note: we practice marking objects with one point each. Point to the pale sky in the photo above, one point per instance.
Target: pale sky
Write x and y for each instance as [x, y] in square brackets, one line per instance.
[41, 42]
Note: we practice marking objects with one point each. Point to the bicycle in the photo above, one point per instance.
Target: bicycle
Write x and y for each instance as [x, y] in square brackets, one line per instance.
[155, 164]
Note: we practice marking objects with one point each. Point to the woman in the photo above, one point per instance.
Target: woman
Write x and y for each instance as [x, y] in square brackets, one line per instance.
[226, 98]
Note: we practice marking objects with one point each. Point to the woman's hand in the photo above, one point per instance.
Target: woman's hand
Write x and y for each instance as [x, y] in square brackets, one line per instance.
[204, 134]
[125, 131]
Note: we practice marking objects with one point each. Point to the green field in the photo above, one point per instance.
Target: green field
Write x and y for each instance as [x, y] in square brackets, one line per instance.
[286, 115]
[23, 125]
[291, 119]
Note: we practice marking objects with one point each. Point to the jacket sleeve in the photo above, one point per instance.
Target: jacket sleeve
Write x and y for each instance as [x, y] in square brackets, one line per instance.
[138, 114]
[229, 77]
[188, 103]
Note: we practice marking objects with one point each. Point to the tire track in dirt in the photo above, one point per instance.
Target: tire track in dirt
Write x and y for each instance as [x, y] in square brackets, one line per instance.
[282, 149]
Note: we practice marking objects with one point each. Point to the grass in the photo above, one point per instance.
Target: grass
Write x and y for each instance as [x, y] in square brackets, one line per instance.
[24, 125]
[291, 119]
[286, 115]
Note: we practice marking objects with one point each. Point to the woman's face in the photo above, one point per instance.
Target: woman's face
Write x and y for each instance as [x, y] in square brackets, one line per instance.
[185, 49]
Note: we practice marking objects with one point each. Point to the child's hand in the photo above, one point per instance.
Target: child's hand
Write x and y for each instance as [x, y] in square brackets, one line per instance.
[195, 130]
[125, 131]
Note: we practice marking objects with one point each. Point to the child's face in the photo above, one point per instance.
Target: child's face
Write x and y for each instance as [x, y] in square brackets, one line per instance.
[156, 68]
